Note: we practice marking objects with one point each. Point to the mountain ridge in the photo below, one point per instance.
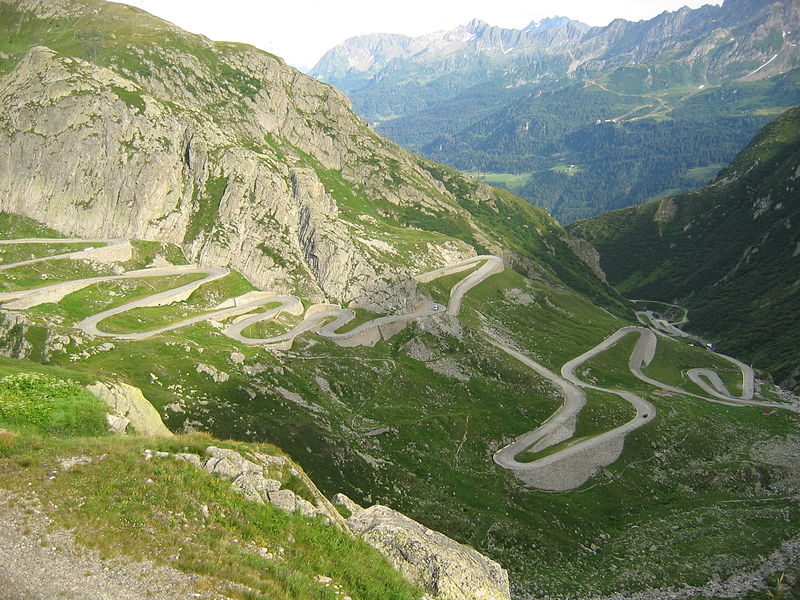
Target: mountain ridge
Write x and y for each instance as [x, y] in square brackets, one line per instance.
[628, 41]
[474, 38]
[519, 117]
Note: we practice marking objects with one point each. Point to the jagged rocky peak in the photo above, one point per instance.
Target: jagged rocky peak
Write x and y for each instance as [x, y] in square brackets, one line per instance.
[727, 38]
[475, 37]
[476, 26]
[550, 23]
[361, 54]
[556, 32]
[369, 54]
[625, 39]
[744, 7]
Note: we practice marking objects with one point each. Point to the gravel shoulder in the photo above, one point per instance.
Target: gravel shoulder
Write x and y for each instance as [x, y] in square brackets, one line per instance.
[42, 564]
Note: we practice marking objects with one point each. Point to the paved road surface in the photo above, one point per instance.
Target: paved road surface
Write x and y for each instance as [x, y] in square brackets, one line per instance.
[327, 320]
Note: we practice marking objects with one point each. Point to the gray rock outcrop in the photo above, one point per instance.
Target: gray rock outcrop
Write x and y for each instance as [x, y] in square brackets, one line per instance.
[13, 328]
[667, 210]
[291, 502]
[588, 254]
[251, 478]
[446, 569]
[260, 478]
[127, 405]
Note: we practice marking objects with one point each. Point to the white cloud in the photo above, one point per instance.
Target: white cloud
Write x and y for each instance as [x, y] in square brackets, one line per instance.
[300, 31]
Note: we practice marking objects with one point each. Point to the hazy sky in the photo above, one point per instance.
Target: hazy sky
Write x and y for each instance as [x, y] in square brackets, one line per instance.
[301, 31]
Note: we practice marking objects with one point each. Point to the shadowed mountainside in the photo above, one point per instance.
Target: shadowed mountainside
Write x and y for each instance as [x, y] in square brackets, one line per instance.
[730, 251]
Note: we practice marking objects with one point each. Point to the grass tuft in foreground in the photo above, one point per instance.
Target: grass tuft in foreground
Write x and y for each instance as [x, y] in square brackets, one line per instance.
[47, 405]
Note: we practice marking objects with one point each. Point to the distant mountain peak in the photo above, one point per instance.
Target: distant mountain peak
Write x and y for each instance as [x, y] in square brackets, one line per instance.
[476, 26]
[364, 56]
[549, 23]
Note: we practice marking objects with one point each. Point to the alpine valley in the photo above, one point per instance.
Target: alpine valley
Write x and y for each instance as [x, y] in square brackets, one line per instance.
[581, 119]
[252, 349]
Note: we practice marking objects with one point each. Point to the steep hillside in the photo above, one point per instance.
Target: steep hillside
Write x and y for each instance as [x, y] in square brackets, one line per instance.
[632, 110]
[479, 376]
[459, 419]
[729, 251]
[236, 157]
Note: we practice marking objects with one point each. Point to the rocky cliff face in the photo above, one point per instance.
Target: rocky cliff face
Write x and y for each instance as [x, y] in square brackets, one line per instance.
[148, 132]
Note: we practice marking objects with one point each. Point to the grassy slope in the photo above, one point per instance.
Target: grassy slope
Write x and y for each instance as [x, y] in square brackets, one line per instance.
[121, 504]
[202, 300]
[16, 227]
[728, 260]
[16, 253]
[434, 461]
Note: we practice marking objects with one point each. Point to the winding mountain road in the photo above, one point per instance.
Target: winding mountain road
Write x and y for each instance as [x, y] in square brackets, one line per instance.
[118, 250]
[585, 455]
[572, 464]
[566, 468]
[324, 319]
[561, 420]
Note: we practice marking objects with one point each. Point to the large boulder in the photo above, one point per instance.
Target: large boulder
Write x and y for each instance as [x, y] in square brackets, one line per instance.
[446, 569]
[127, 404]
